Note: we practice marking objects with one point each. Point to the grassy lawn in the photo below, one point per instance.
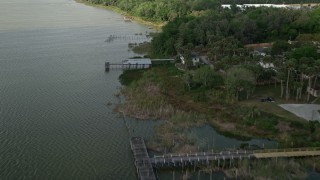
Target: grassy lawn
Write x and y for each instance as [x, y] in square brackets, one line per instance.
[271, 107]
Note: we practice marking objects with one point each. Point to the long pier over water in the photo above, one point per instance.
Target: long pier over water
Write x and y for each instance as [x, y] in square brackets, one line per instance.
[142, 161]
[145, 164]
[204, 158]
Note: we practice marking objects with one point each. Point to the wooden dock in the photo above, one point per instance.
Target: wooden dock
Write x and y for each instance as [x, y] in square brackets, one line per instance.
[292, 152]
[199, 158]
[109, 66]
[203, 158]
[142, 160]
[137, 65]
[144, 164]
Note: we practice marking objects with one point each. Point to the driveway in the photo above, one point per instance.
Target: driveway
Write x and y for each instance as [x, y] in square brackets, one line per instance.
[308, 112]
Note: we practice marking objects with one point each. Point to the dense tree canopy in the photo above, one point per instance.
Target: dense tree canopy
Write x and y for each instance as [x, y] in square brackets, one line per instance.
[204, 27]
[163, 10]
[225, 32]
[269, 1]
[160, 10]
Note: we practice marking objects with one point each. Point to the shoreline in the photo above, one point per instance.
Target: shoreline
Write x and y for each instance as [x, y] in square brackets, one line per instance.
[155, 25]
[172, 135]
[181, 108]
[169, 135]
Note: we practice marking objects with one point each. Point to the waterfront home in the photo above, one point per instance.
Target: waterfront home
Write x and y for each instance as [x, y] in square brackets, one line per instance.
[313, 91]
[196, 60]
[285, 6]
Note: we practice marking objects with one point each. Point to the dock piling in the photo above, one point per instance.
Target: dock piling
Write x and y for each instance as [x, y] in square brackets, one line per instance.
[107, 66]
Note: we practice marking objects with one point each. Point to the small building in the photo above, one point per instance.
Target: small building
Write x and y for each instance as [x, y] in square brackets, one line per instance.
[266, 65]
[138, 63]
[258, 53]
[313, 92]
[194, 58]
[284, 6]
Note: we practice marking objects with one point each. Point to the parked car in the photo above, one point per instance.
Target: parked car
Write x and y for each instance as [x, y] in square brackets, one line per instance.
[268, 99]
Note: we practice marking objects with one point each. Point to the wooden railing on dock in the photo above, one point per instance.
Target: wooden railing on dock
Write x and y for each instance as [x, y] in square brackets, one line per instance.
[199, 158]
[142, 160]
[145, 165]
[172, 160]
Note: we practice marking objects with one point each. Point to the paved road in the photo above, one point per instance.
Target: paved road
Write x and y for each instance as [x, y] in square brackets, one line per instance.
[306, 111]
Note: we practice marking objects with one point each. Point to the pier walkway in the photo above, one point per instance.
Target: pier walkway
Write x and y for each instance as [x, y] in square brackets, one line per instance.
[145, 164]
[137, 64]
[292, 152]
[142, 161]
[171, 160]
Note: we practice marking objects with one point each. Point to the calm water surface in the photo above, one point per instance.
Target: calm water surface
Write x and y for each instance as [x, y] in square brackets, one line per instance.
[55, 121]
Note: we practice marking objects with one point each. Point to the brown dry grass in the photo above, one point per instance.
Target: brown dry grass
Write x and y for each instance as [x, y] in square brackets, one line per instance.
[226, 126]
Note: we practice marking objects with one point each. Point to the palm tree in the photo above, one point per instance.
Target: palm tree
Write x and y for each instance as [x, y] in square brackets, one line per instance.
[317, 72]
[290, 67]
[281, 75]
[311, 71]
[254, 112]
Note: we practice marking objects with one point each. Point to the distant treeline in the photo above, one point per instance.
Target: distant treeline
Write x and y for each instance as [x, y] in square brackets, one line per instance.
[167, 10]
[224, 32]
[269, 1]
[160, 10]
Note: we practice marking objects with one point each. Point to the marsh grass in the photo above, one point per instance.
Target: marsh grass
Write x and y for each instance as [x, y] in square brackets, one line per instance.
[175, 136]
[143, 48]
[160, 93]
[276, 168]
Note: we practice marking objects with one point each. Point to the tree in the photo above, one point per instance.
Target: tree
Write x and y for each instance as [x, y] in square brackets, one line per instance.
[311, 72]
[281, 75]
[279, 47]
[289, 68]
[207, 77]
[305, 51]
[317, 71]
[239, 79]
[187, 79]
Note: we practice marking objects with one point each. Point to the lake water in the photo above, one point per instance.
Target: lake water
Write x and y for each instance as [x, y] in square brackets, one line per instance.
[56, 121]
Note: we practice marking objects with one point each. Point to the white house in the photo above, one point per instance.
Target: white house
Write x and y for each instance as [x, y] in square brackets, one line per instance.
[194, 58]
[244, 6]
[182, 59]
[313, 92]
[266, 65]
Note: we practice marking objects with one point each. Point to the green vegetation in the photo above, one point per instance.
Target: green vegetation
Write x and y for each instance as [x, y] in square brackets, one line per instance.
[222, 34]
[129, 76]
[279, 168]
[162, 93]
[226, 94]
[144, 48]
[164, 11]
[159, 10]
[236, 74]
[270, 1]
